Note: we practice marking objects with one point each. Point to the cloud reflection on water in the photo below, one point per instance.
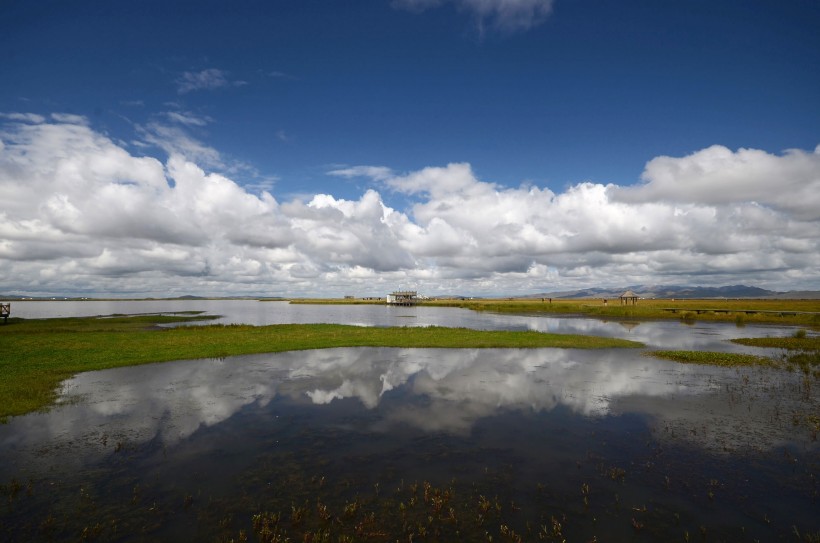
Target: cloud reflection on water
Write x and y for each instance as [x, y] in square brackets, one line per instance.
[434, 390]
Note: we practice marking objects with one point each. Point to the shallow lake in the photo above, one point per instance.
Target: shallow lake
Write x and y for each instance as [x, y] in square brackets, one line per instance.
[381, 444]
[670, 334]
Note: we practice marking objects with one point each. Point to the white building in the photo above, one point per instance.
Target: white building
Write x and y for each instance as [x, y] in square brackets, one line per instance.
[403, 297]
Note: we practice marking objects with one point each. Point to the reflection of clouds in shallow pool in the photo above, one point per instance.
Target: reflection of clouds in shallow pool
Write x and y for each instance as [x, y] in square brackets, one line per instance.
[444, 390]
[171, 401]
[463, 386]
[137, 404]
[179, 396]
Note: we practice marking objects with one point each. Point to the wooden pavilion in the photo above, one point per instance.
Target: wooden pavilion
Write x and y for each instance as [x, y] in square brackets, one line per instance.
[628, 297]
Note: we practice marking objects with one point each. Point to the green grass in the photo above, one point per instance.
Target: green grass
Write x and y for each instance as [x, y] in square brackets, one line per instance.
[791, 343]
[654, 309]
[804, 352]
[38, 354]
[712, 358]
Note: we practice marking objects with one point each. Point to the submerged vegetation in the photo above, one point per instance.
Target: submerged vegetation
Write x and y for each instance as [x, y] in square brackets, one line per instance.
[713, 358]
[289, 499]
[801, 351]
[797, 342]
[48, 351]
[807, 361]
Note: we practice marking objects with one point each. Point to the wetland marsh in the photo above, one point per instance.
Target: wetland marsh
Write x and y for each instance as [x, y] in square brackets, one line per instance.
[374, 443]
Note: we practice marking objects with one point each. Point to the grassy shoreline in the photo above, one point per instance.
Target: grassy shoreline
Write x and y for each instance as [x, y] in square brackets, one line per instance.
[41, 353]
[786, 312]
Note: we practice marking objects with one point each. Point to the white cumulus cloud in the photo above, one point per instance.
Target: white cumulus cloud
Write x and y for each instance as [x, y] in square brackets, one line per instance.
[789, 182]
[81, 213]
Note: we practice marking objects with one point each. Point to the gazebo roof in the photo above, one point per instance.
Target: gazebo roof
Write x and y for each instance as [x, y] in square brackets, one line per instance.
[628, 294]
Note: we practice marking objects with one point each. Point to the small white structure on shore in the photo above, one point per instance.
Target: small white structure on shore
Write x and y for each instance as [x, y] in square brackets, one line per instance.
[403, 297]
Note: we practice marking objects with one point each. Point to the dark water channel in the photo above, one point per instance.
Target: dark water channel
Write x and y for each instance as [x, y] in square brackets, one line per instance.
[374, 444]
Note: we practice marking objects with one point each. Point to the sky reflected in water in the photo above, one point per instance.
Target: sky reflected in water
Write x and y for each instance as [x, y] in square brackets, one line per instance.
[434, 390]
[192, 449]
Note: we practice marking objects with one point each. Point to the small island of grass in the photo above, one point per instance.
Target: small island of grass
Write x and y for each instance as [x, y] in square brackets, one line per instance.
[39, 354]
[803, 350]
[712, 358]
[798, 342]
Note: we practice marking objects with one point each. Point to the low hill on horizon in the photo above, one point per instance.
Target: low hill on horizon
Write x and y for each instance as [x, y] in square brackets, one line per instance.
[644, 291]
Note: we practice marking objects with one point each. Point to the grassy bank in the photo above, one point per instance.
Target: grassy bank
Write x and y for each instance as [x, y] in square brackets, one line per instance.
[38, 354]
[787, 312]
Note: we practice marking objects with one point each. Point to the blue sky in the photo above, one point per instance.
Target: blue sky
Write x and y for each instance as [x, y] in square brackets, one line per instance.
[539, 94]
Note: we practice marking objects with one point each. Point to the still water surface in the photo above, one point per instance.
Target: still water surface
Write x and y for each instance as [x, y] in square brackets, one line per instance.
[547, 443]
[670, 334]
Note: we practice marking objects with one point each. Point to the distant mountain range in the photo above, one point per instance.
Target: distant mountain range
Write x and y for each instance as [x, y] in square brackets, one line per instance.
[644, 291]
[682, 292]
